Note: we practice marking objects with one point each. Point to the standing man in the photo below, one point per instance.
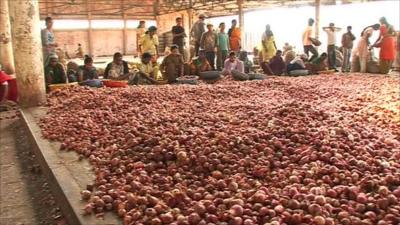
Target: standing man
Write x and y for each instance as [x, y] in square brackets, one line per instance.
[208, 42]
[331, 32]
[234, 37]
[197, 31]
[222, 46]
[178, 34]
[347, 44]
[307, 44]
[149, 42]
[48, 39]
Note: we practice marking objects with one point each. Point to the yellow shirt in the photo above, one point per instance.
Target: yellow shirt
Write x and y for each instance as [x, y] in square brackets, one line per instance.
[149, 44]
[306, 35]
[141, 32]
[146, 68]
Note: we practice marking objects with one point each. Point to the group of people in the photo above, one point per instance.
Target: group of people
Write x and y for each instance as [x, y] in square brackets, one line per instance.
[354, 60]
[216, 45]
[221, 50]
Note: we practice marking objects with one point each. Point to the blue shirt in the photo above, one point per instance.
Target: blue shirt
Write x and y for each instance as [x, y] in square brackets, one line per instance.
[223, 41]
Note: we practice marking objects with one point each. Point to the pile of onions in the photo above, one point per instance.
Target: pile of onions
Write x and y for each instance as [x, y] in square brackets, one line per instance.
[312, 150]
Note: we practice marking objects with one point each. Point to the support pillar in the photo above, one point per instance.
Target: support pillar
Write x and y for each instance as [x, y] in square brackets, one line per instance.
[124, 37]
[190, 15]
[241, 21]
[28, 54]
[317, 15]
[6, 52]
[90, 28]
[124, 31]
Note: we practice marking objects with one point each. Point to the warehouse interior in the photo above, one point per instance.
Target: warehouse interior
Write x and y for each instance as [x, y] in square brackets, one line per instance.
[215, 147]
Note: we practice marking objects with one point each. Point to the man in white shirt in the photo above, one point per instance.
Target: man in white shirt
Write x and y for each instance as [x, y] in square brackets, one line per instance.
[331, 32]
[232, 63]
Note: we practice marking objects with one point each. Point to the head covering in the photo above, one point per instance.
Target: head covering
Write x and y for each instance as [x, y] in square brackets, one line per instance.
[268, 31]
[49, 57]
[202, 16]
[152, 28]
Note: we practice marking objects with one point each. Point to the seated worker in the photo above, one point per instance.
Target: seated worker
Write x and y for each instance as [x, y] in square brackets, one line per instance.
[199, 64]
[246, 62]
[87, 74]
[146, 72]
[72, 70]
[287, 47]
[87, 71]
[117, 69]
[276, 64]
[172, 66]
[79, 51]
[232, 63]
[54, 71]
[298, 63]
[318, 64]
[289, 56]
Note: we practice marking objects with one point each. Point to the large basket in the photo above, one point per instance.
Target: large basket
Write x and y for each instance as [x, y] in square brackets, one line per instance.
[326, 72]
[53, 87]
[187, 80]
[303, 72]
[257, 76]
[92, 83]
[115, 83]
[210, 75]
[239, 75]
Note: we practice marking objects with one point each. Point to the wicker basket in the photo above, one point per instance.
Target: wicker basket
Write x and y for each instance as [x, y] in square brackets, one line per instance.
[210, 75]
[187, 80]
[115, 83]
[257, 76]
[53, 87]
[239, 75]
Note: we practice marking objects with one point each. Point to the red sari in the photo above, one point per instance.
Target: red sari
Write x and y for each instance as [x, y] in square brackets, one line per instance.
[12, 87]
[387, 45]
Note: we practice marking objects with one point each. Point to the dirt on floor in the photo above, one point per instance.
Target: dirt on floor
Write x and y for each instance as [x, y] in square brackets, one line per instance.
[25, 197]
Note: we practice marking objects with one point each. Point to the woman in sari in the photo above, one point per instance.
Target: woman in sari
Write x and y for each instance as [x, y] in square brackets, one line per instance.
[54, 71]
[268, 47]
[234, 37]
[386, 42]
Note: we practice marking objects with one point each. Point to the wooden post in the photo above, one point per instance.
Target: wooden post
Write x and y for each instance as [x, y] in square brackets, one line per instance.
[241, 21]
[6, 51]
[27, 45]
[190, 25]
[317, 15]
[124, 36]
[90, 28]
[49, 5]
[124, 31]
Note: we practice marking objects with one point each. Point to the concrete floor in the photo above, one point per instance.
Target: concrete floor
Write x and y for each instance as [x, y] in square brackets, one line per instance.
[66, 172]
[25, 197]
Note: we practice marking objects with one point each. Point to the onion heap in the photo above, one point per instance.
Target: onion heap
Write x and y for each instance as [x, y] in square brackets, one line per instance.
[310, 150]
